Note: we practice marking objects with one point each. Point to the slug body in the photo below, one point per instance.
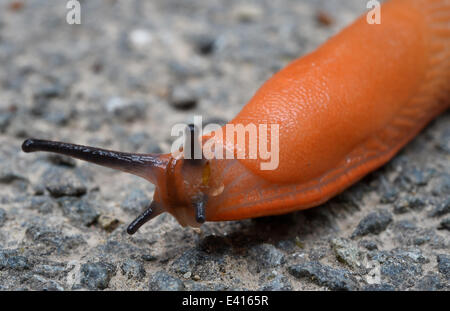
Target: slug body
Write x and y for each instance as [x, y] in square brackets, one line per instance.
[342, 111]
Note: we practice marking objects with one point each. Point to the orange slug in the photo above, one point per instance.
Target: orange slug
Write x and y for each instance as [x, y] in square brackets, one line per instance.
[341, 111]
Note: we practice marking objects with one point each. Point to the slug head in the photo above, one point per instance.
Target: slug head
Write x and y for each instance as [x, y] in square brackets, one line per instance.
[181, 183]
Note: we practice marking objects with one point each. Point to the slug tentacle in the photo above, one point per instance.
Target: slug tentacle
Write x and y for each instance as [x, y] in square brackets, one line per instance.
[151, 212]
[143, 165]
[200, 212]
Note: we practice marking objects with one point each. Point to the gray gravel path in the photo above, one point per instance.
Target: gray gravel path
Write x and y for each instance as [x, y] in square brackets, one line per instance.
[120, 80]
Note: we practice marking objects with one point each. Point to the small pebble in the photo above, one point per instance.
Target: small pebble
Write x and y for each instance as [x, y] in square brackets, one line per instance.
[324, 19]
[375, 223]
[246, 12]
[79, 211]
[444, 265]
[279, 283]
[133, 269]
[369, 245]
[323, 275]
[430, 282]
[445, 224]
[140, 38]
[407, 204]
[97, 275]
[8, 175]
[126, 110]
[399, 267]
[266, 256]
[108, 223]
[64, 184]
[10, 260]
[63, 160]
[2, 217]
[204, 45]
[183, 98]
[43, 204]
[162, 281]
[441, 210]
[346, 252]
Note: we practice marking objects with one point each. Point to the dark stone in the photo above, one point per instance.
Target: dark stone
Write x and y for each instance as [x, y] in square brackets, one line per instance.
[388, 193]
[162, 281]
[135, 202]
[419, 177]
[59, 159]
[194, 286]
[204, 45]
[266, 256]
[369, 245]
[445, 223]
[375, 223]
[214, 244]
[442, 209]
[52, 91]
[38, 283]
[79, 211]
[183, 98]
[443, 141]
[126, 110]
[121, 249]
[430, 282]
[43, 204]
[415, 255]
[318, 253]
[442, 186]
[53, 239]
[38, 189]
[52, 270]
[188, 261]
[8, 176]
[401, 268]
[422, 237]
[10, 260]
[279, 283]
[404, 225]
[148, 257]
[289, 245]
[197, 262]
[444, 265]
[2, 217]
[133, 269]
[185, 70]
[407, 204]
[63, 182]
[322, 275]
[97, 275]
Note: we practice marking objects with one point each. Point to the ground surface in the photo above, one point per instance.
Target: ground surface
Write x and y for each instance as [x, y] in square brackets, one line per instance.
[121, 80]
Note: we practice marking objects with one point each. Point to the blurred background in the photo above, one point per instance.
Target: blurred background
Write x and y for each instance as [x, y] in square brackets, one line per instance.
[120, 80]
